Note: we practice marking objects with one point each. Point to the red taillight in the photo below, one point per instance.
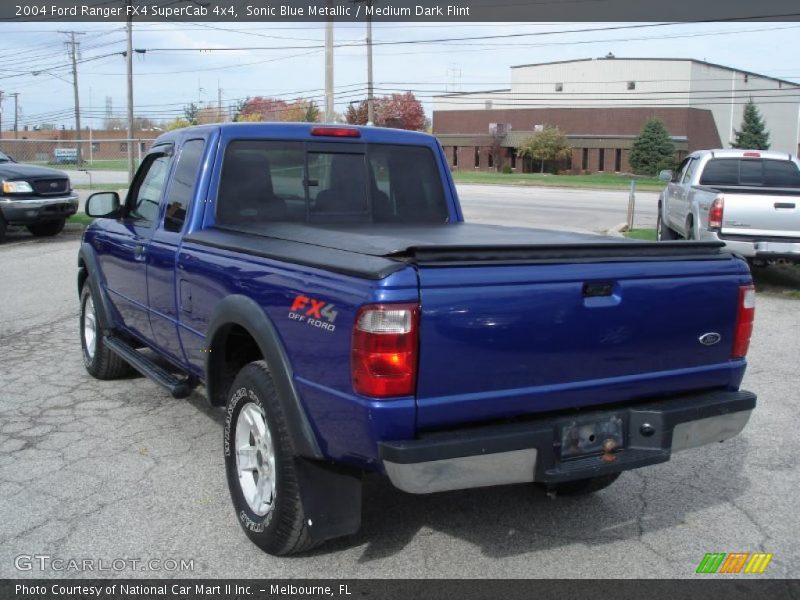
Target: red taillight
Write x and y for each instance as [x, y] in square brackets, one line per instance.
[715, 212]
[744, 321]
[385, 343]
[752, 154]
[336, 132]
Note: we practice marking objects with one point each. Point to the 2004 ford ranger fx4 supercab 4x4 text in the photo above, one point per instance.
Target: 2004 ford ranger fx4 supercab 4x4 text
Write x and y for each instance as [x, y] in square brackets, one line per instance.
[320, 282]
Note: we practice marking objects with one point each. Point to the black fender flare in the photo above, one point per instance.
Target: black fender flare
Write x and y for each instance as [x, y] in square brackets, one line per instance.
[89, 271]
[240, 310]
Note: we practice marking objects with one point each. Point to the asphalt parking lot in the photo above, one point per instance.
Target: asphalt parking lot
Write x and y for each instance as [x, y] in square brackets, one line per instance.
[119, 470]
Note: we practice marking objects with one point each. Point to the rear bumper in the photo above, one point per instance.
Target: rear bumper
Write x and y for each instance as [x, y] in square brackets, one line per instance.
[530, 451]
[21, 211]
[764, 249]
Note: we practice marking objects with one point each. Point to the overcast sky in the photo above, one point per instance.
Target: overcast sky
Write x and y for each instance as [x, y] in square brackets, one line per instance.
[293, 65]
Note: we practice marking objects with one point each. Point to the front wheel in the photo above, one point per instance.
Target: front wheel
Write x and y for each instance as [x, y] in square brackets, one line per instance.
[260, 465]
[584, 487]
[48, 228]
[98, 359]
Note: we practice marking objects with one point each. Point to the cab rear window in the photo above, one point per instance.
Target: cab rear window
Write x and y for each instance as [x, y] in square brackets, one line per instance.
[758, 172]
[264, 181]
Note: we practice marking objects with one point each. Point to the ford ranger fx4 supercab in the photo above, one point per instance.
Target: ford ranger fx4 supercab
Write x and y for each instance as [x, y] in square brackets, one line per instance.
[320, 283]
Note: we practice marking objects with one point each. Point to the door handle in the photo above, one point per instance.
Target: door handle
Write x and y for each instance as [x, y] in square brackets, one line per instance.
[139, 252]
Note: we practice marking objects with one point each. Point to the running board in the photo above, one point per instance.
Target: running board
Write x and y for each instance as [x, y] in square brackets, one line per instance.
[179, 388]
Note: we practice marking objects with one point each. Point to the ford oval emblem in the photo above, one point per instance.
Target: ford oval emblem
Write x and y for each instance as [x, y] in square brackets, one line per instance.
[709, 339]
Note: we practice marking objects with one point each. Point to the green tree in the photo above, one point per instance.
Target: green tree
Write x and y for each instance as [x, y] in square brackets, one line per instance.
[754, 134]
[191, 112]
[653, 149]
[312, 112]
[548, 144]
[239, 107]
[176, 123]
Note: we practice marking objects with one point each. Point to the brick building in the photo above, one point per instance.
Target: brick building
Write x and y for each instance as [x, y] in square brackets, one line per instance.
[101, 145]
[601, 106]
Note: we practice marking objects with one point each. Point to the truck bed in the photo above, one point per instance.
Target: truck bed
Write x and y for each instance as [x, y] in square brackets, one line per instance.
[375, 251]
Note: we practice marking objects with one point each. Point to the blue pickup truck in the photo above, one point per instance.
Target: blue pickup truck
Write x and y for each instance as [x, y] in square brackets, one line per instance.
[320, 283]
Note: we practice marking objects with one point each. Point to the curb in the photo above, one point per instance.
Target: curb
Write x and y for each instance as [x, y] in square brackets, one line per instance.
[618, 229]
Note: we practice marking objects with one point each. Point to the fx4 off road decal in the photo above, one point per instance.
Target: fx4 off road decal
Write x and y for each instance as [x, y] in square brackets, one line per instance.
[312, 312]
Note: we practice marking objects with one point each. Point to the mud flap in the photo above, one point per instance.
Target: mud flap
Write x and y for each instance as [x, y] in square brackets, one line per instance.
[331, 498]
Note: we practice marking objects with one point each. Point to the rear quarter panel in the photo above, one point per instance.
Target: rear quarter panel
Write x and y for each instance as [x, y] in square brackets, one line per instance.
[346, 424]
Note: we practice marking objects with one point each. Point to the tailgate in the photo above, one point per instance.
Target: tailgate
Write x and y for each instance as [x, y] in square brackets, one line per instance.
[503, 340]
[762, 214]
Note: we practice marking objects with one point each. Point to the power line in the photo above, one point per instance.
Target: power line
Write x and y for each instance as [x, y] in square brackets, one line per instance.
[467, 38]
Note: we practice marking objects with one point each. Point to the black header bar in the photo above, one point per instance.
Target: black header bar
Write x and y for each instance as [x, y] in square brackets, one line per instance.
[412, 11]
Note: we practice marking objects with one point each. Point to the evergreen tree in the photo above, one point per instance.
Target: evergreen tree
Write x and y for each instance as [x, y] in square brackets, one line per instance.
[753, 135]
[653, 149]
[190, 112]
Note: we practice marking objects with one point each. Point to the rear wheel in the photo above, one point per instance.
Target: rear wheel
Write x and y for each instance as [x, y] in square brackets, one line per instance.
[48, 228]
[260, 465]
[99, 361]
[584, 487]
[690, 229]
[663, 232]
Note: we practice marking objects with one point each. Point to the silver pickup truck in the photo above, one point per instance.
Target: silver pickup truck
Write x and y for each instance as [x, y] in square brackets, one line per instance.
[748, 199]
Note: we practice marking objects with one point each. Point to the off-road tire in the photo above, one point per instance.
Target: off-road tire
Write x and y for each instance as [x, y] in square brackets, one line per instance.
[48, 228]
[584, 487]
[103, 363]
[283, 530]
[690, 228]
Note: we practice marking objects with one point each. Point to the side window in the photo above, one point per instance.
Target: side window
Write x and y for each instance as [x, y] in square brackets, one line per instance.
[689, 171]
[143, 206]
[182, 186]
[678, 173]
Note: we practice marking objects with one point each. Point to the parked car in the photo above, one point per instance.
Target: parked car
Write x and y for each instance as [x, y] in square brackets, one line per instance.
[39, 198]
[320, 282]
[748, 199]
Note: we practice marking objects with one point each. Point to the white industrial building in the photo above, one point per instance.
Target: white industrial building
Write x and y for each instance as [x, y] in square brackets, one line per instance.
[609, 98]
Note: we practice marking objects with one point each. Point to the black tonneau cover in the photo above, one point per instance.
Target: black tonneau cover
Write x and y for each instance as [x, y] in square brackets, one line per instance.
[376, 250]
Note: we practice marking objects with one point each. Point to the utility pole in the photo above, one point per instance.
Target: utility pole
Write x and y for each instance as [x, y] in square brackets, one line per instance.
[16, 113]
[73, 49]
[329, 68]
[370, 80]
[129, 65]
[220, 116]
[1, 113]
[370, 84]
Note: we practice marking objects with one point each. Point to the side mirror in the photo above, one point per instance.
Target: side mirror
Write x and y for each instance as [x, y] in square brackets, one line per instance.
[665, 175]
[103, 205]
